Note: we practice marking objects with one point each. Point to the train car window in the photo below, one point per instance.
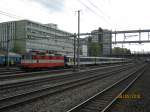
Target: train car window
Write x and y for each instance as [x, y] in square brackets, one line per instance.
[82, 59]
[3, 58]
[23, 56]
[86, 59]
[30, 56]
[67, 59]
[27, 56]
[71, 60]
[89, 59]
[101, 59]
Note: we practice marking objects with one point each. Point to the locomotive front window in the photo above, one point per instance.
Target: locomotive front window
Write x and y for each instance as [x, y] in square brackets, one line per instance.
[23, 56]
[27, 56]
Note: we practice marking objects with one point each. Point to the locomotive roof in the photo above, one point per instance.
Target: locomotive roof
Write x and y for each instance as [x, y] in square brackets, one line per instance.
[2, 53]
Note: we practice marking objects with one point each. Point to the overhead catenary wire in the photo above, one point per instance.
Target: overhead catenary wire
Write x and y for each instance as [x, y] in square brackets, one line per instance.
[10, 15]
[98, 9]
[101, 17]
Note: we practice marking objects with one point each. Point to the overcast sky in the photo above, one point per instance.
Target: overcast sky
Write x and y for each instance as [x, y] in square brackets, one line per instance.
[108, 14]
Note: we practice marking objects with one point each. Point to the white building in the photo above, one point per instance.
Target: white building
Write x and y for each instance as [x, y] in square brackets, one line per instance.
[25, 35]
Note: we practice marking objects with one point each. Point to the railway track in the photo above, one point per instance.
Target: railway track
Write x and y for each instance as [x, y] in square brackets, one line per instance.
[135, 98]
[101, 101]
[5, 69]
[22, 74]
[10, 72]
[10, 101]
[46, 78]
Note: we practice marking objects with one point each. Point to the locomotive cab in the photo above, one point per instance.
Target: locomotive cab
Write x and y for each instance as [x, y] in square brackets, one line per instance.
[36, 60]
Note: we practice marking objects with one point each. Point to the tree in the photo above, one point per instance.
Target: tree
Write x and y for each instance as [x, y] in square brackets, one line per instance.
[16, 49]
[119, 51]
[94, 49]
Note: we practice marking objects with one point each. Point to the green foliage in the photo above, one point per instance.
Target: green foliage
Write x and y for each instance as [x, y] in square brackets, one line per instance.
[94, 49]
[17, 48]
[118, 51]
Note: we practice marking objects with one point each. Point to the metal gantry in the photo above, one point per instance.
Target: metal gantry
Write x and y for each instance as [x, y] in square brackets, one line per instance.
[138, 32]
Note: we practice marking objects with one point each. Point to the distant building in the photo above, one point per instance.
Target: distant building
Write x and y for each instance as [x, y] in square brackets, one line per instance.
[25, 35]
[107, 39]
[84, 50]
[104, 38]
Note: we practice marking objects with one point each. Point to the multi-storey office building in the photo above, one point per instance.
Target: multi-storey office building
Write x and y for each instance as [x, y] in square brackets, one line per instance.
[107, 39]
[103, 37]
[25, 35]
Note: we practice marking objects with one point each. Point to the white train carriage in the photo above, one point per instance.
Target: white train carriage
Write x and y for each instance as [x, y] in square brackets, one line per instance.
[105, 60]
[69, 60]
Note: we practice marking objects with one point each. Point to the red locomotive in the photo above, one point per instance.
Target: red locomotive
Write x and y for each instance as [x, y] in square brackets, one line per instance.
[41, 59]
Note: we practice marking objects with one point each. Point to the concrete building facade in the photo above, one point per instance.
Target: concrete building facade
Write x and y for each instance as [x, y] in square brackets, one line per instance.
[107, 39]
[104, 37]
[25, 35]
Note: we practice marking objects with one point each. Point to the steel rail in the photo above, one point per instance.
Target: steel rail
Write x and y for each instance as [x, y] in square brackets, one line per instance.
[11, 101]
[29, 74]
[47, 77]
[127, 87]
[81, 105]
[35, 73]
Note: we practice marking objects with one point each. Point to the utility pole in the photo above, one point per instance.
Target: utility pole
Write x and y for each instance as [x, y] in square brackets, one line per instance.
[8, 40]
[78, 40]
[74, 60]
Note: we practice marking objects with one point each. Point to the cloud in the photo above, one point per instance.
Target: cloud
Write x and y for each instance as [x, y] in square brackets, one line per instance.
[52, 5]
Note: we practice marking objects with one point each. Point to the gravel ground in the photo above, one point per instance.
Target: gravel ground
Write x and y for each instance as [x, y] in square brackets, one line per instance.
[65, 100]
[50, 82]
[138, 104]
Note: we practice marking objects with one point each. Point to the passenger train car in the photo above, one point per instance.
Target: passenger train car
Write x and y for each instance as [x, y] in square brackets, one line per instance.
[93, 60]
[14, 59]
[36, 59]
